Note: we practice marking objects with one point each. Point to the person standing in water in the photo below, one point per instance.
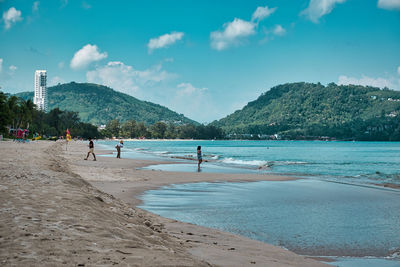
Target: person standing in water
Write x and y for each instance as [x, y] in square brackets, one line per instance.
[199, 157]
[119, 146]
[91, 149]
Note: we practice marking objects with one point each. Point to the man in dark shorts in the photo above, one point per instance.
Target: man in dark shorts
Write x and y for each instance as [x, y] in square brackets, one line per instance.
[91, 149]
[119, 146]
[199, 157]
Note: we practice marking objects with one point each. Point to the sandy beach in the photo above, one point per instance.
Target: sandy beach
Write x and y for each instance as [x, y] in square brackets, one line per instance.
[57, 209]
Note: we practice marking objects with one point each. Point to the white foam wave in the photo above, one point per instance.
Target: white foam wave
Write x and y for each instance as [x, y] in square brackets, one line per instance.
[288, 162]
[161, 152]
[260, 162]
[245, 162]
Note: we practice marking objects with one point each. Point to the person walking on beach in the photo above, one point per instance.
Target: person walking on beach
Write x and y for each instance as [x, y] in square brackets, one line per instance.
[199, 157]
[91, 149]
[118, 147]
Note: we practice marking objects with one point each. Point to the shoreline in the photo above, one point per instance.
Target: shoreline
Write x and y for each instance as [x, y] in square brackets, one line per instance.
[129, 183]
[52, 214]
[57, 208]
[172, 160]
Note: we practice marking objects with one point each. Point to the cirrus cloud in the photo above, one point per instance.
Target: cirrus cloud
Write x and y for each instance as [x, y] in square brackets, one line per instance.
[164, 40]
[318, 8]
[389, 4]
[86, 55]
[11, 17]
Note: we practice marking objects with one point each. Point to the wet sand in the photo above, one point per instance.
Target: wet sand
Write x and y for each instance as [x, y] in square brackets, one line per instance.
[57, 209]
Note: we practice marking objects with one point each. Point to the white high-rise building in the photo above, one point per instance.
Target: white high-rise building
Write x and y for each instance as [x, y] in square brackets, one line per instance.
[40, 97]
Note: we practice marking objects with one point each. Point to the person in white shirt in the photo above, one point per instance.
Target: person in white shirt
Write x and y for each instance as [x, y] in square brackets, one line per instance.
[119, 146]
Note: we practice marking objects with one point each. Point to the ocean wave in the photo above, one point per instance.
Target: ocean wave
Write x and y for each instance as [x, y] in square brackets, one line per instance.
[244, 162]
[161, 152]
[262, 163]
[288, 162]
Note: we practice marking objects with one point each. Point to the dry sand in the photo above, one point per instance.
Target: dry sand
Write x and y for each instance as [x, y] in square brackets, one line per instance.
[57, 209]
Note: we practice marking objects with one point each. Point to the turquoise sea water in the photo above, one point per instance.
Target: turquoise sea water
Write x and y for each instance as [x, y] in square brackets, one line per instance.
[336, 211]
[354, 162]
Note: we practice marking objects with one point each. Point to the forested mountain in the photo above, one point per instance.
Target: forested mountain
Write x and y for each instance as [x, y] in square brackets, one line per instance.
[99, 104]
[301, 110]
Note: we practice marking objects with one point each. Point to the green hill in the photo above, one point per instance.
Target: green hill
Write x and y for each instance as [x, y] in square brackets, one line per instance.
[301, 110]
[99, 104]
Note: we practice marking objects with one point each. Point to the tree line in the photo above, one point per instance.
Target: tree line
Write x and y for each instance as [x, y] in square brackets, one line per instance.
[160, 130]
[18, 113]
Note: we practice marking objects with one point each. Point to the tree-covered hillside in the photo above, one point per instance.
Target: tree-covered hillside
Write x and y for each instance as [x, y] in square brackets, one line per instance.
[298, 110]
[99, 104]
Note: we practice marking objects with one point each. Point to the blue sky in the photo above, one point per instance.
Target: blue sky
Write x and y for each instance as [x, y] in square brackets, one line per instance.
[204, 59]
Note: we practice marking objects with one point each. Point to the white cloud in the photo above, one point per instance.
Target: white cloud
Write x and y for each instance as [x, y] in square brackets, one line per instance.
[194, 102]
[262, 13]
[389, 4]
[235, 32]
[187, 89]
[232, 34]
[279, 30]
[11, 17]
[86, 5]
[1, 65]
[86, 55]
[318, 8]
[56, 80]
[269, 34]
[366, 81]
[35, 6]
[398, 70]
[12, 68]
[164, 40]
[125, 78]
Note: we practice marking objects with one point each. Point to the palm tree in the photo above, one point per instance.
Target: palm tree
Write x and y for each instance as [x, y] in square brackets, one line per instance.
[4, 113]
[13, 109]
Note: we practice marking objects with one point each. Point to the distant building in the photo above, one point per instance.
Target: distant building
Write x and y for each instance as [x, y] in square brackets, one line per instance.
[40, 97]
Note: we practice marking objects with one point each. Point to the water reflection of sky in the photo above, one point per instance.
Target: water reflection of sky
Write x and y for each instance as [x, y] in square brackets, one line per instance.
[306, 216]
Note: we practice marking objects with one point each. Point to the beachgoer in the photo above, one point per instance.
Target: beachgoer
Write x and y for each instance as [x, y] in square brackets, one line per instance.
[91, 149]
[118, 147]
[199, 157]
